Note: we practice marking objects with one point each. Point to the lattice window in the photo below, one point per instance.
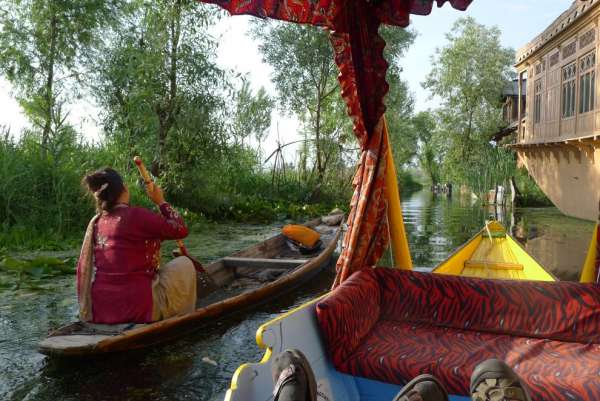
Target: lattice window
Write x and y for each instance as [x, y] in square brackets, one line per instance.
[569, 50]
[537, 104]
[569, 75]
[587, 82]
[554, 59]
[587, 38]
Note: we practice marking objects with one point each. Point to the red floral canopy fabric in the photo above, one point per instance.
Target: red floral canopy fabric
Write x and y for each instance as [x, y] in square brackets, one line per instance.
[358, 49]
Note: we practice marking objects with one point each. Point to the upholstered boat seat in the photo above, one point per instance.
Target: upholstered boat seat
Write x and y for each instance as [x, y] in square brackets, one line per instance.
[392, 325]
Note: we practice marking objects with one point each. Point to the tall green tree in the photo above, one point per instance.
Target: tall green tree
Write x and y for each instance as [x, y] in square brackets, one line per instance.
[251, 114]
[305, 75]
[399, 102]
[468, 75]
[42, 44]
[430, 143]
[163, 96]
[158, 78]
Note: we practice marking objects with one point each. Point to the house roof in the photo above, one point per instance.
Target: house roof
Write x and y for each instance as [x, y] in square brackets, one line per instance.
[512, 88]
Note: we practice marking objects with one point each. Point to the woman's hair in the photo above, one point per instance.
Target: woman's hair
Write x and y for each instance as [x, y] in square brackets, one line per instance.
[106, 185]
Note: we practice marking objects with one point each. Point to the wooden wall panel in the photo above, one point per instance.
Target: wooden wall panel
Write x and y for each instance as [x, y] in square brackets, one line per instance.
[567, 128]
[585, 124]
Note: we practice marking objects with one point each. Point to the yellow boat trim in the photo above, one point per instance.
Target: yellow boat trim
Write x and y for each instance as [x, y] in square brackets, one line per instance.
[492, 253]
[588, 273]
[262, 345]
[398, 238]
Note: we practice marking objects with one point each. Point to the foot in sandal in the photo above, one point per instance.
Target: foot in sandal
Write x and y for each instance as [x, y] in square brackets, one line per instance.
[494, 380]
[423, 388]
[293, 377]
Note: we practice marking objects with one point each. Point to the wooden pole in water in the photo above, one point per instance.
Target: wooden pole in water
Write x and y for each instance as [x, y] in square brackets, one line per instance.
[398, 238]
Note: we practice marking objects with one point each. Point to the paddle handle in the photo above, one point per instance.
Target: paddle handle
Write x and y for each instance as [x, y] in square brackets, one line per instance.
[148, 180]
[142, 169]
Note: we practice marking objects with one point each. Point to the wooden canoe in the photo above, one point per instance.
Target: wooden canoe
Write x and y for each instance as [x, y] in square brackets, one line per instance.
[246, 278]
[493, 253]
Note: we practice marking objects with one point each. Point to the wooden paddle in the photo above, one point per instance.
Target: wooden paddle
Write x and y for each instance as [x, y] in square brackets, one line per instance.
[206, 284]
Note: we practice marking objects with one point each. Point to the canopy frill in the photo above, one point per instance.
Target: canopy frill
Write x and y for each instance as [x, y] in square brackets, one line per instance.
[358, 51]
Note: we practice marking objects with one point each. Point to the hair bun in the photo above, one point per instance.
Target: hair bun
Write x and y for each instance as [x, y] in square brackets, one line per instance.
[106, 185]
[95, 180]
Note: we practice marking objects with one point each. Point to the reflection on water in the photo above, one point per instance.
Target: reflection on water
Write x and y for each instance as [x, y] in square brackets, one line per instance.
[184, 370]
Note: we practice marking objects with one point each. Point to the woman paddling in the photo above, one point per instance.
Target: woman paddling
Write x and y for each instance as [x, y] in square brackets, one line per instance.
[118, 275]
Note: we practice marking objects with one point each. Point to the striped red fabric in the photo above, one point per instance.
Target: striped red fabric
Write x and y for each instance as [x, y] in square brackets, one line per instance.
[392, 325]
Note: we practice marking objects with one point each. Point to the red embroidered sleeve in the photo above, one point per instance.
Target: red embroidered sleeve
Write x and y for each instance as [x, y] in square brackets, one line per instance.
[167, 226]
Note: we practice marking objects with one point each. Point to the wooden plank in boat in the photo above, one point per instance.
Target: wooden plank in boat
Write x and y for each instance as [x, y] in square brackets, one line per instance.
[74, 341]
[232, 261]
[483, 264]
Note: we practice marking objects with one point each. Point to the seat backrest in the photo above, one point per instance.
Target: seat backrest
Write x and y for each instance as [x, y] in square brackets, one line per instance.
[349, 313]
[563, 311]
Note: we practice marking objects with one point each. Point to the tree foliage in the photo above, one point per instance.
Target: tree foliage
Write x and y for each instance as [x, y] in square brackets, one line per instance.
[164, 97]
[42, 44]
[468, 75]
[305, 75]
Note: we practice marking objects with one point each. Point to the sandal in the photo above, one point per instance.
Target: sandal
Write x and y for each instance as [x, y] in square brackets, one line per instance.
[293, 377]
[423, 388]
[494, 380]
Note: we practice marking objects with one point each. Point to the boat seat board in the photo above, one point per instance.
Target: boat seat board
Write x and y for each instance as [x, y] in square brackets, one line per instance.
[398, 324]
[485, 264]
[70, 341]
[259, 263]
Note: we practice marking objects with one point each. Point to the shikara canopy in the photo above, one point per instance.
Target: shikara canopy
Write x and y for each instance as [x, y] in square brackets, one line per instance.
[358, 50]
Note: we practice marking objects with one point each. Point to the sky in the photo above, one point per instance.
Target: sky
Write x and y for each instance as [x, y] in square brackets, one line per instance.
[519, 20]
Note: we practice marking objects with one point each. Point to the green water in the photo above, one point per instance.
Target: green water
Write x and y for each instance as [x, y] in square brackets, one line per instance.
[185, 370]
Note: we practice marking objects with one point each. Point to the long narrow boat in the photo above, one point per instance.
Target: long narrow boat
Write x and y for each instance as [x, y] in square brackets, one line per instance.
[493, 253]
[246, 278]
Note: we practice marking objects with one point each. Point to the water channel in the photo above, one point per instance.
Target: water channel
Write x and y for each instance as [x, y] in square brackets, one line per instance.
[199, 367]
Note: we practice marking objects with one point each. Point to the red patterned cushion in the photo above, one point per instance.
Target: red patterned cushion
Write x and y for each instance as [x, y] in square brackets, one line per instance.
[395, 352]
[564, 311]
[392, 325]
[347, 316]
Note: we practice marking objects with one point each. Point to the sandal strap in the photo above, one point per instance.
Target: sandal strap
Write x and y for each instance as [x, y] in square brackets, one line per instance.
[287, 375]
[412, 395]
[487, 391]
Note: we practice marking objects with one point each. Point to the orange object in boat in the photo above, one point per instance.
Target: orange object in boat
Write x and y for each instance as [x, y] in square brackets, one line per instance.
[301, 234]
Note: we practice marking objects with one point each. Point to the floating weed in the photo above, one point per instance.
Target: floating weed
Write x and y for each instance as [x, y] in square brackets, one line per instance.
[30, 274]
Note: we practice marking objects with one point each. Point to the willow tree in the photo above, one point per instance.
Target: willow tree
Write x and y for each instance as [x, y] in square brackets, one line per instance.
[399, 102]
[430, 145]
[305, 75]
[468, 75]
[42, 46]
[158, 77]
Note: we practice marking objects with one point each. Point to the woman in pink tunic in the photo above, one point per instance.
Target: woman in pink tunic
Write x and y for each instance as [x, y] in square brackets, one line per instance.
[118, 275]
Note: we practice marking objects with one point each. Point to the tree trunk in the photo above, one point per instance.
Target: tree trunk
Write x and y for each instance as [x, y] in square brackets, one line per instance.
[49, 87]
[167, 112]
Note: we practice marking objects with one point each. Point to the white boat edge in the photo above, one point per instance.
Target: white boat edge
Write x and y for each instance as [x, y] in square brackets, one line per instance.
[298, 329]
